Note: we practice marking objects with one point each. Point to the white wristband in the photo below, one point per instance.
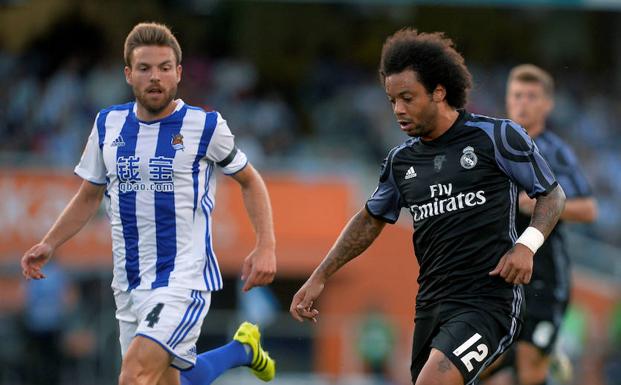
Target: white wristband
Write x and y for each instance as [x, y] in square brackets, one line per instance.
[531, 238]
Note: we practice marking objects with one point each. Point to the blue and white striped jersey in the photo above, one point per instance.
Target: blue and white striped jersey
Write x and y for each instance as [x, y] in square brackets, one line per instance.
[160, 190]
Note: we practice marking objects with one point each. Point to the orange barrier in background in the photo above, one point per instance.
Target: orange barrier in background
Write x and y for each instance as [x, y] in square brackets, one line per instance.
[308, 216]
[31, 201]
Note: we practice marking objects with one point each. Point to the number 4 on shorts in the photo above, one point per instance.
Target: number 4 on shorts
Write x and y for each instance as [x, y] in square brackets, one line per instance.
[478, 355]
[154, 316]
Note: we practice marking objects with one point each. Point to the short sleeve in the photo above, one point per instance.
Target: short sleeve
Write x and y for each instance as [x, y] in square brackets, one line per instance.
[519, 158]
[385, 202]
[222, 149]
[569, 173]
[91, 166]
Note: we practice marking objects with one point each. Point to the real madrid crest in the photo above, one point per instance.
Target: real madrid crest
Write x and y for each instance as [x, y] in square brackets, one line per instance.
[469, 158]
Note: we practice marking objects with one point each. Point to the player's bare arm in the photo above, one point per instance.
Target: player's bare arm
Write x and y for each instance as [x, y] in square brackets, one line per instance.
[583, 209]
[77, 213]
[516, 266]
[548, 210]
[355, 238]
[260, 265]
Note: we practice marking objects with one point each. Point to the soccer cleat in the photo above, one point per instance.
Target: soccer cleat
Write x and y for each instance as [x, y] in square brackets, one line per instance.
[262, 365]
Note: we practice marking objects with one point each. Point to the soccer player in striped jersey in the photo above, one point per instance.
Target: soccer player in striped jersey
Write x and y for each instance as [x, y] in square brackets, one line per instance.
[154, 160]
[529, 100]
[458, 175]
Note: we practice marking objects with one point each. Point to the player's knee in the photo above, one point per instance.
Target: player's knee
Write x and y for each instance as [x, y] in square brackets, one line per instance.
[427, 379]
[133, 376]
[439, 370]
[128, 378]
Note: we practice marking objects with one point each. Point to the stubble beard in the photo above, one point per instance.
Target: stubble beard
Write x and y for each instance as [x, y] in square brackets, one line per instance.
[155, 108]
[426, 125]
[420, 130]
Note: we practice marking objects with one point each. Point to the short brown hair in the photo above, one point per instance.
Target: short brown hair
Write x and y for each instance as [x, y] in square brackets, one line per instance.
[433, 57]
[530, 73]
[150, 34]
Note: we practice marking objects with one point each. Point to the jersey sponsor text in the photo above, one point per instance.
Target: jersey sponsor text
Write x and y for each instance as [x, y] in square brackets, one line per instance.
[446, 205]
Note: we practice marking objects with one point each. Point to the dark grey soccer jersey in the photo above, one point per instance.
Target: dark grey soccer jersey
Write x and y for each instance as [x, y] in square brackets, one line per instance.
[551, 276]
[461, 190]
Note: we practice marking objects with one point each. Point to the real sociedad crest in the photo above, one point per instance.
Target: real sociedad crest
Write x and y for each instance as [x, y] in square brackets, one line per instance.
[469, 158]
[177, 142]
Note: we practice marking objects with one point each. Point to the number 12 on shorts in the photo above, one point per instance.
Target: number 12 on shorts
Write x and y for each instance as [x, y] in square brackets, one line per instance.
[478, 355]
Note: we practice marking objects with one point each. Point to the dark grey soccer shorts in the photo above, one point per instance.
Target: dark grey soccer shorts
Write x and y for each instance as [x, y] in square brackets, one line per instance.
[470, 337]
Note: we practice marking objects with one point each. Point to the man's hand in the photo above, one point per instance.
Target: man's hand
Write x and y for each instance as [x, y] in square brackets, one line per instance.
[34, 259]
[82, 207]
[259, 268]
[355, 238]
[526, 204]
[302, 303]
[516, 266]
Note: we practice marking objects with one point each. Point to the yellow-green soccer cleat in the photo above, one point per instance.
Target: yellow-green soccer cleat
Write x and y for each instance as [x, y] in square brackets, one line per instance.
[262, 365]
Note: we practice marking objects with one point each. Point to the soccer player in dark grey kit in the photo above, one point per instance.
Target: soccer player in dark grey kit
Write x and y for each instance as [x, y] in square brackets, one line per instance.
[530, 99]
[458, 175]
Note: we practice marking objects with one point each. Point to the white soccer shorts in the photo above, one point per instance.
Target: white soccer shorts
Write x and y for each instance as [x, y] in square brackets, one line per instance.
[172, 317]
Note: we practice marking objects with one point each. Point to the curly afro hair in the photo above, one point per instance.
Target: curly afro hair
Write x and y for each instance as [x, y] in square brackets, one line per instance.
[433, 57]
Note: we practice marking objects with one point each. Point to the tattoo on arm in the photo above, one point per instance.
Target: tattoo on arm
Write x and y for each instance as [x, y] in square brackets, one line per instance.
[444, 365]
[357, 236]
[548, 210]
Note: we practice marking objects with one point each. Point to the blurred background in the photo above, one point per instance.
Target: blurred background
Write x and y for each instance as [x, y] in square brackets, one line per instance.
[297, 82]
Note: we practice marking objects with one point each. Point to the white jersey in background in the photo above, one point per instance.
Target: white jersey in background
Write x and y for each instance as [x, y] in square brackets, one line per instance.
[161, 190]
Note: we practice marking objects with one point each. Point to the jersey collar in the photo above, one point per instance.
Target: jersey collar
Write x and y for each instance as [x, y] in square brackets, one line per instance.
[448, 134]
[172, 117]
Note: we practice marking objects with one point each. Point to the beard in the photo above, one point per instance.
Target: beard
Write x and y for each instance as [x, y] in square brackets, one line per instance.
[154, 107]
[427, 123]
[420, 130]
